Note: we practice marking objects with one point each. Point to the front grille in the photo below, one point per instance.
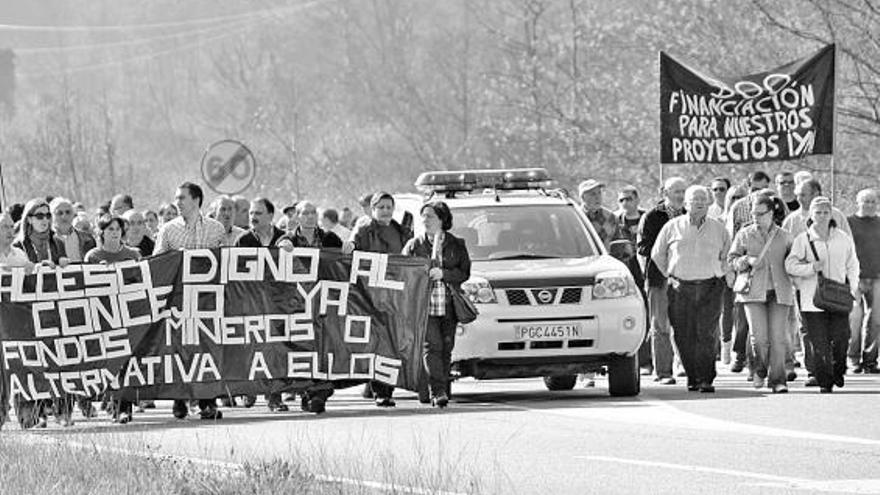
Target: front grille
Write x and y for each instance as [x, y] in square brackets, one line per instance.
[546, 344]
[571, 295]
[580, 343]
[544, 296]
[517, 297]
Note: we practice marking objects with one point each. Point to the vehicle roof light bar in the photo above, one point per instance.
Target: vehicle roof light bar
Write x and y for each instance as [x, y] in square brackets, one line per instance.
[470, 180]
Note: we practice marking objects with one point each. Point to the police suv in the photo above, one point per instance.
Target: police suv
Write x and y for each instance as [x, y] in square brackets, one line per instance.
[552, 301]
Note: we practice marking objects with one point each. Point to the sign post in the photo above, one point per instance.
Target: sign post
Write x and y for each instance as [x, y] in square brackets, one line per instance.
[228, 167]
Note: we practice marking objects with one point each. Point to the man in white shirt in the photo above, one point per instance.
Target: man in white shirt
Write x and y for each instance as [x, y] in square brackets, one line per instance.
[330, 223]
[76, 243]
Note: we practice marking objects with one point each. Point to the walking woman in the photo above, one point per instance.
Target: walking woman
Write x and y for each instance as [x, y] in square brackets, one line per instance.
[758, 255]
[382, 234]
[111, 232]
[42, 248]
[450, 266]
[827, 250]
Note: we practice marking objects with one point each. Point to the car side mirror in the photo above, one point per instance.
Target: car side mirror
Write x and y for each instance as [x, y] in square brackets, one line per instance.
[622, 249]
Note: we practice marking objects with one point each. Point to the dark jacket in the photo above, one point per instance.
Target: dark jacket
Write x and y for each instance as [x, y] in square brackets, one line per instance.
[456, 262]
[251, 239]
[649, 228]
[56, 249]
[366, 237]
[323, 239]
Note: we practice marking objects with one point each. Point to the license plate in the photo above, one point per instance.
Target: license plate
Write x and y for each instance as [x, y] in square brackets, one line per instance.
[548, 331]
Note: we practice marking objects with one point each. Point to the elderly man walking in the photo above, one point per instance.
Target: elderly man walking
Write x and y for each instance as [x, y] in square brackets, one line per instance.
[691, 250]
[191, 230]
[864, 335]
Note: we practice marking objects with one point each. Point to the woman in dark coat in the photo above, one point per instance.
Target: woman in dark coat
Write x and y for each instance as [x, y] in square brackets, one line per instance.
[382, 234]
[450, 266]
[36, 239]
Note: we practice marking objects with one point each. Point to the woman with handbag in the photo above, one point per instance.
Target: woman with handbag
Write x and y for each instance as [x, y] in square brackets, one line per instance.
[764, 287]
[823, 264]
[450, 266]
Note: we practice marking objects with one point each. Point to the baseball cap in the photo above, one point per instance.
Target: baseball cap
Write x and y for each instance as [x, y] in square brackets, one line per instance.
[589, 185]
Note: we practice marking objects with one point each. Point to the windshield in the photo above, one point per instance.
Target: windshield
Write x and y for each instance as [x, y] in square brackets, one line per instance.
[522, 232]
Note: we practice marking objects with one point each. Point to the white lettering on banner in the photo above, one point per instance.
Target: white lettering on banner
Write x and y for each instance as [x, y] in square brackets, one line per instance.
[376, 274]
[87, 382]
[200, 368]
[364, 322]
[67, 351]
[239, 330]
[307, 365]
[243, 264]
[340, 302]
[258, 364]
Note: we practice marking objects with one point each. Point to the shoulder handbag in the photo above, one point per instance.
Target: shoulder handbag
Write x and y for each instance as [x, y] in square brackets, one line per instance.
[742, 284]
[831, 296]
[465, 310]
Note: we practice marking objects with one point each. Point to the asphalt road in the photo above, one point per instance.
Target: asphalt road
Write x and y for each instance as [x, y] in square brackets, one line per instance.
[513, 436]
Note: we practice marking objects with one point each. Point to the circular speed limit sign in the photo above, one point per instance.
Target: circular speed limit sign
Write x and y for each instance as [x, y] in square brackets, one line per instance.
[228, 167]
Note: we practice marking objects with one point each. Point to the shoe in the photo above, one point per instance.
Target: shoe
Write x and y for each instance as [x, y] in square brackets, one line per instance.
[440, 401]
[780, 389]
[738, 366]
[211, 413]
[791, 376]
[139, 408]
[646, 370]
[857, 370]
[385, 402]
[668, 380]
[758, 382]
[304, 402]
[180, 409]
[681, 374]
[278, 407]
[248, 401]
[811, 382]
[872, 370]
[838, 381]
[589, 383]
[824, 390]
[318, 405]
[725, 352]
[707, 388]
[750, 377]
[693, 388]
[123, 418]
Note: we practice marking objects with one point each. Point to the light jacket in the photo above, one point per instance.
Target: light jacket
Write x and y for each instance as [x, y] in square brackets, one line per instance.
[839, 263]
[769, 273]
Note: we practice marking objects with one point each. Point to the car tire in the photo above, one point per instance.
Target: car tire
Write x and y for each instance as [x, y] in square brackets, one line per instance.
[623, 376]
[560, 382]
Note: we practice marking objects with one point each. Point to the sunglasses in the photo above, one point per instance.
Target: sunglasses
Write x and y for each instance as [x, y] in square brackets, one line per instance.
[42, 216]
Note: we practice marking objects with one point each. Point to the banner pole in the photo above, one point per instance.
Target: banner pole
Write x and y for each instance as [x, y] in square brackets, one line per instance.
[834, 129]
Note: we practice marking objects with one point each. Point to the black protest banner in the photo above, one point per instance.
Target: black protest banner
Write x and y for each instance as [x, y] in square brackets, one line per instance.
[208, 322]
[781, 114]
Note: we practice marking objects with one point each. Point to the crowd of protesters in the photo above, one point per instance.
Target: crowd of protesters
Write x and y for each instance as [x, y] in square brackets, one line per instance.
[728, 273]
[55, 232]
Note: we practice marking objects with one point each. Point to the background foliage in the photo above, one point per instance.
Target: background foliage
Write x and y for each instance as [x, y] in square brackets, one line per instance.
[338, 98]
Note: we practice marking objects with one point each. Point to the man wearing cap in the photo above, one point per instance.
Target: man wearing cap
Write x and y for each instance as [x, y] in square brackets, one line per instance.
[603, 219]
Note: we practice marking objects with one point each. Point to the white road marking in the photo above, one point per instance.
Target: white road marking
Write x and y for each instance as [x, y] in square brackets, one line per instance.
[655, 412]
[229, 467]
[864, 486]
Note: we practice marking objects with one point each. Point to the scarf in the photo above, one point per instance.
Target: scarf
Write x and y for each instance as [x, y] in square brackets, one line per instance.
[40, 241]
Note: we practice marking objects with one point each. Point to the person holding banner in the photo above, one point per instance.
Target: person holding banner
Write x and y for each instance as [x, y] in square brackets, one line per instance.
[450, 266]
[379, 233]
[11, 257]
[308, 234]
[824, 249]
[191, 230]
[42, 248]
[111, 232]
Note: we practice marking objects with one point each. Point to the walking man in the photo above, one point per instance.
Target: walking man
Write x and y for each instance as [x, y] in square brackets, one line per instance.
[691, 250]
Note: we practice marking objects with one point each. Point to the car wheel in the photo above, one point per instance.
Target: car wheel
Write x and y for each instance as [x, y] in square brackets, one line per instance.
[623, 376]
[560, 382]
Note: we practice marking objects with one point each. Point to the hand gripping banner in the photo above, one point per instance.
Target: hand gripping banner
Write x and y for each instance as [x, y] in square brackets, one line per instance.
[781, 114]
[209, 322]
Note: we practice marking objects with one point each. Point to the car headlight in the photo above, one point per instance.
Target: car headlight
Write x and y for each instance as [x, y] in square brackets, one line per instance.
[479, 290]
[611, 285]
